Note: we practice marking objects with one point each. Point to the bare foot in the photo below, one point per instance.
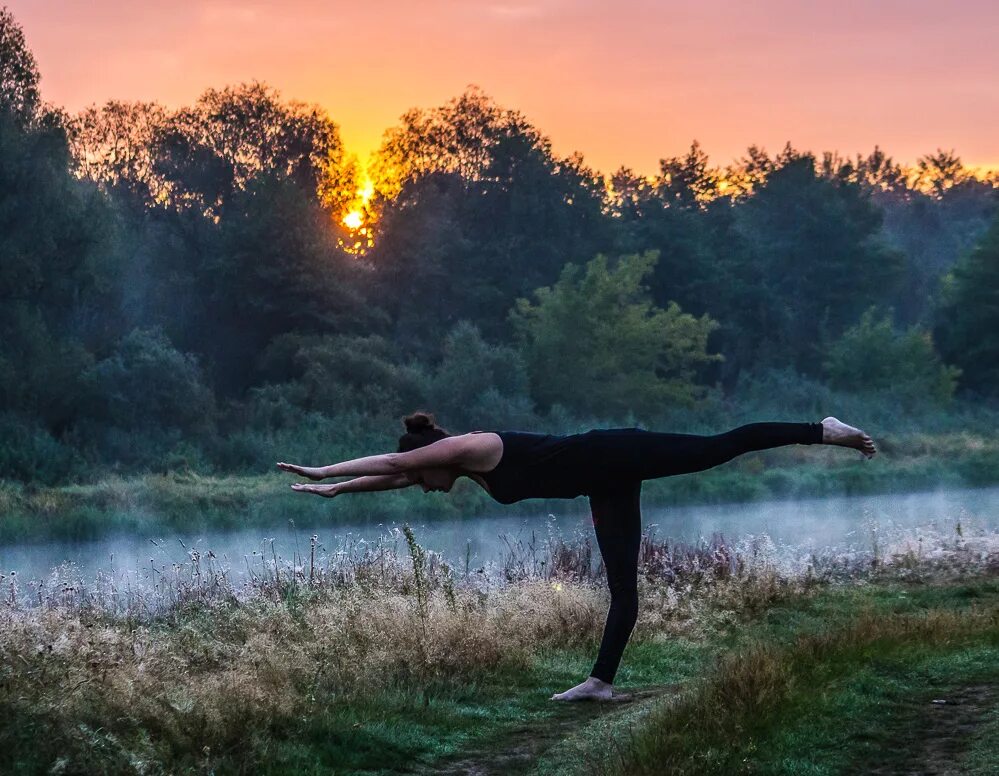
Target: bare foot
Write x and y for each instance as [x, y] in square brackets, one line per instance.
[592, 689]
[836, 432]
[320, 490]
[301, 471]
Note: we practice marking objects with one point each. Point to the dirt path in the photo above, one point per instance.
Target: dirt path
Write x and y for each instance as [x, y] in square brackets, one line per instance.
[942, 732]
[518, 750]
[937, 735]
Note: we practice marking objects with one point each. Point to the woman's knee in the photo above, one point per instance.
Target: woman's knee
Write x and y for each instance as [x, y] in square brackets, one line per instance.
[626, 611]
[625, 598]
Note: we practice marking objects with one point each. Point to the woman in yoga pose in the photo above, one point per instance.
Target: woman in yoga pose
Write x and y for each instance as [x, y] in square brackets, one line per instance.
[607, 465]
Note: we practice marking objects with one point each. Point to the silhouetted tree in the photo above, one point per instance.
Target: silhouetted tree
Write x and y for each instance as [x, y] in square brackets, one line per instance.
[57, 266]
[814, 261]
[19, 96]
[968, 318]
[207, 152]
[114, 146]
[275, 269]
[474, 210]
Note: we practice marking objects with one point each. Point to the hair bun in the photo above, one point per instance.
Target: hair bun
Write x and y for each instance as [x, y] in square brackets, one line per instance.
[418, 421]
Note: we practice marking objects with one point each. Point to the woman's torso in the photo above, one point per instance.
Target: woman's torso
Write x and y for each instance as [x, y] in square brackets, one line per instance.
[550, 466]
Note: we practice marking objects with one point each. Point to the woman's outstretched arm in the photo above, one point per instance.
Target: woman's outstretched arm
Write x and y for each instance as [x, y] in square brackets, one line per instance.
[450, 451]
[356, 485]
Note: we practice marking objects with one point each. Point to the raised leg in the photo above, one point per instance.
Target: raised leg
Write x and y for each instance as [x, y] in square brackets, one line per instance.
[648, 455]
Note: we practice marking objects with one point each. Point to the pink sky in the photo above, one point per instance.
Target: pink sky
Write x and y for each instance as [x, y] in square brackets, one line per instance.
[624, 82]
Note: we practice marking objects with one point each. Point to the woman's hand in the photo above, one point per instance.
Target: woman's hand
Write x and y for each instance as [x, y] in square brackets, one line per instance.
[328, 491]
[301, 471]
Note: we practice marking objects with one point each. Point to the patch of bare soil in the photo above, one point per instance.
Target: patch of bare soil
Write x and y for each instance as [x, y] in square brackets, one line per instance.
[518, 749]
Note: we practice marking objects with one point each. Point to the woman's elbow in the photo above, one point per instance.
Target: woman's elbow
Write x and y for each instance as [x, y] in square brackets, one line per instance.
[397, 463]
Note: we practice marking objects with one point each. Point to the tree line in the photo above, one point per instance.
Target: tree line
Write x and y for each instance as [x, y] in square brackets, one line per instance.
[179, 287]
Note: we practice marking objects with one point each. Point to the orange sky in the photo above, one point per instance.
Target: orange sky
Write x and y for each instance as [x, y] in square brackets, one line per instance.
[624, 82]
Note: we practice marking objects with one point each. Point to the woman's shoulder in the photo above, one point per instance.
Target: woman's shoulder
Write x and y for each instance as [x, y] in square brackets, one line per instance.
[488, 450]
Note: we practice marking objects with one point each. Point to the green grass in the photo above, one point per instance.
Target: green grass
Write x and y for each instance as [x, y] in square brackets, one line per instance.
[840, 683]
[980, 759]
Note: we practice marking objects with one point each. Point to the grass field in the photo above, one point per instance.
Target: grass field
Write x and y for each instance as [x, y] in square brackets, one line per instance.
[741, 662]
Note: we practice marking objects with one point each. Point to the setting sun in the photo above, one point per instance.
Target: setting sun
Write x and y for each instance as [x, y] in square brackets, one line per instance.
[367, 191]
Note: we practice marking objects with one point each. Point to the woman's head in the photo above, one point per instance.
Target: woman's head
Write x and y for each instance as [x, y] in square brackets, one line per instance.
[421, 430]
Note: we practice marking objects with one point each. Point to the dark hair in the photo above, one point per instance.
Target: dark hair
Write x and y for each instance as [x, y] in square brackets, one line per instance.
[421, 430]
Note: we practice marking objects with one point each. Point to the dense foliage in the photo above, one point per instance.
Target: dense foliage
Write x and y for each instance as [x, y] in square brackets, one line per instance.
[180, 288]
[969, 316]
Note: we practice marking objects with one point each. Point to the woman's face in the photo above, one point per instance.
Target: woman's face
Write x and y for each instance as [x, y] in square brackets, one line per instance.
[433, 479]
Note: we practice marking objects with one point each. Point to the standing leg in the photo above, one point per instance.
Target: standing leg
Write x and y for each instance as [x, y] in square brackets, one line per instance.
[617, 520]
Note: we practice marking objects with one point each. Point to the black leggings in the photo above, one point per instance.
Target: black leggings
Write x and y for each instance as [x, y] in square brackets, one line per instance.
[617, 515]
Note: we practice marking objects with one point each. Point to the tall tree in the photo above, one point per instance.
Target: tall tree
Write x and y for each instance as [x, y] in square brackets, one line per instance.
[19, 95]
[815, 261]
[57, 268]
[474, 209]
[275, 268]
[685, 213]
[207, 152]
[113, 145]
[459, 137]
[665, 216]
[968, 318]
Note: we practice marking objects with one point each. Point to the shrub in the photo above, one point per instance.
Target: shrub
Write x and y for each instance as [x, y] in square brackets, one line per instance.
[147, 383]
[873, 357]
[478, 385]
[29, 453]
[342, 373]
[597, 343]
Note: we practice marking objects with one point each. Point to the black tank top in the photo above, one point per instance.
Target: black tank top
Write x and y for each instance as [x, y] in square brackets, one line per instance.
[546, 466]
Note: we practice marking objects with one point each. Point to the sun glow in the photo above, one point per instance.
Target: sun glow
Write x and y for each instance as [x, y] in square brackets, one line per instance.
[357, 220]
[367, 191]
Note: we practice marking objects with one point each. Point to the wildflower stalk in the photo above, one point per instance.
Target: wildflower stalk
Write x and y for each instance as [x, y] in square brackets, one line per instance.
[449, 587]
[419, 557]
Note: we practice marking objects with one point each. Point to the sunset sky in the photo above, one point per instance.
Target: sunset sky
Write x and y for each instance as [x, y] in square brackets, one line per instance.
[623, 82]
